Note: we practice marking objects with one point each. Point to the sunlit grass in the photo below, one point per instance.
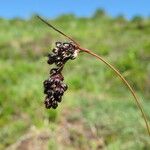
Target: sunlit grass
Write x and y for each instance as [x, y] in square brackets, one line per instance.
[95, 95]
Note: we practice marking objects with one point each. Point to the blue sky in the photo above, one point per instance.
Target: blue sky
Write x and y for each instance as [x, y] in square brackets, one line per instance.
[53, 8]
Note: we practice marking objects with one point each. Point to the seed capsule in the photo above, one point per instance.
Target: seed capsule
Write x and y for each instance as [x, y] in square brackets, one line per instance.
[53, 71]
[55, 50]
[54, 105]
[59, 99]
[47, 103]
[58, 44]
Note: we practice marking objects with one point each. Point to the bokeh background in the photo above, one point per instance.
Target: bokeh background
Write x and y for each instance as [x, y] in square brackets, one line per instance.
[97, 111]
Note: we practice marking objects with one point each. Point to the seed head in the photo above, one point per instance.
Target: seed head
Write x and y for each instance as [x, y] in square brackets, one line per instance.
[54, 87]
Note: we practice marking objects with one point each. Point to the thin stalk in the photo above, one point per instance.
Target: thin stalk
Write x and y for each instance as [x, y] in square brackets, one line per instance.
[51, 26]
[110, 66]
[124, 80]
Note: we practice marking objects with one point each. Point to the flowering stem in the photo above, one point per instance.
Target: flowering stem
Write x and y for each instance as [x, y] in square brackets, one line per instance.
[110, 66]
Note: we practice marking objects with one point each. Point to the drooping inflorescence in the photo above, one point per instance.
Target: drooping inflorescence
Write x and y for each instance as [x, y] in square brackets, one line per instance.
[71, 53]
[54, 87]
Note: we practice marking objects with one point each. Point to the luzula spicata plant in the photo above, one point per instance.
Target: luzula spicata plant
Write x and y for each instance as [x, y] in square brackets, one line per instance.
[54, 86]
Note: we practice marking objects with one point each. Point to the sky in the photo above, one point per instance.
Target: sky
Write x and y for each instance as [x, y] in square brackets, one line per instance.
[82, 8]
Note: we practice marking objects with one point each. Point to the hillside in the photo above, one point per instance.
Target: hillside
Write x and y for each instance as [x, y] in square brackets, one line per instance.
[97, 111]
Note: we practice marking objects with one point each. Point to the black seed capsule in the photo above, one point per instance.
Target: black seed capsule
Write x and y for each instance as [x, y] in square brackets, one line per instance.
[55, 50]
[66, 46]
[59, 64]
[48, 103]
[53, 71]
[54, 105]
[58, 99]
[49, 92]
[58, 44]
[47, 84]
[65, 87]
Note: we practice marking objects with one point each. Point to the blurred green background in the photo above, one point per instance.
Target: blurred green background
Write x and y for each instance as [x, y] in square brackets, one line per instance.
[97, 111]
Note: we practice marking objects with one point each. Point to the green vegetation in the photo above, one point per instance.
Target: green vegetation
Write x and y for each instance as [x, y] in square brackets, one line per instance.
[97, 110]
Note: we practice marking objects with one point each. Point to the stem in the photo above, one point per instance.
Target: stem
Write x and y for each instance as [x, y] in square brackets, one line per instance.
[51, 26]
[125, 81]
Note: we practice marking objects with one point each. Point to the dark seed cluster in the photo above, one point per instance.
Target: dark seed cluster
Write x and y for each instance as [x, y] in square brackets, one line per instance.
[54, 87]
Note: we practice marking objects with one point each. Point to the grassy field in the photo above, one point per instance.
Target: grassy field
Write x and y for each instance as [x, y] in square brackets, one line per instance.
[97, 111]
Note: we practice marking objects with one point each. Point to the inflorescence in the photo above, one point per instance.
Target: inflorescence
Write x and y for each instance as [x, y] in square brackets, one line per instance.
[54, 87]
